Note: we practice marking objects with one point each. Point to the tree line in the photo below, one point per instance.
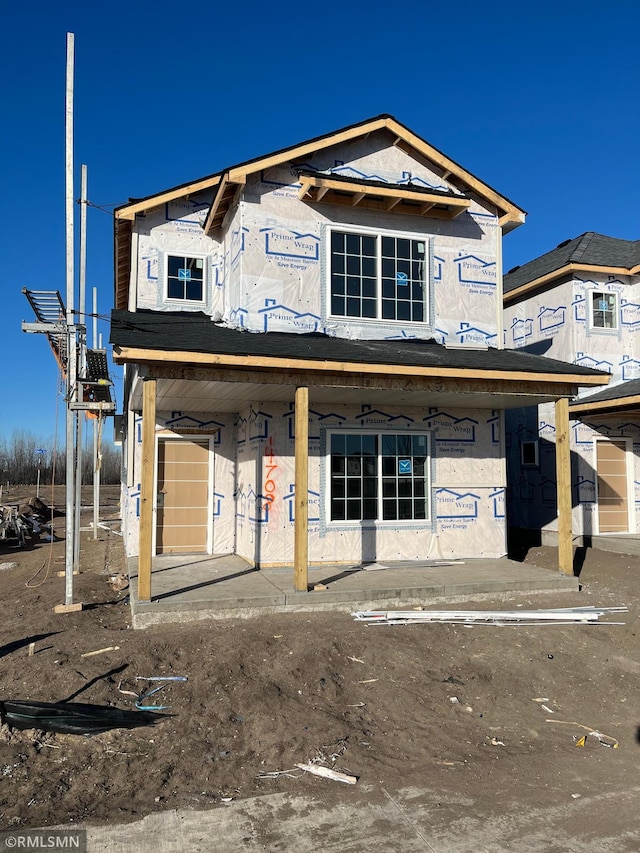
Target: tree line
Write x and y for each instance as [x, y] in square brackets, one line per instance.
[24, 453]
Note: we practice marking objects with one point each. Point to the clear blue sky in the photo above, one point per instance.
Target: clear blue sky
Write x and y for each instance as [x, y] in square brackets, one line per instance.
[540, 100]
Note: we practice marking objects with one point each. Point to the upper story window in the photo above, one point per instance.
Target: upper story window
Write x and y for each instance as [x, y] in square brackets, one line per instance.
[604, 310]
[185, 278]
[378, 276]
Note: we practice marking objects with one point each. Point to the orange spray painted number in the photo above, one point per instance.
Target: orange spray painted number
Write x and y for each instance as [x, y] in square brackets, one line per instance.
[270, 485]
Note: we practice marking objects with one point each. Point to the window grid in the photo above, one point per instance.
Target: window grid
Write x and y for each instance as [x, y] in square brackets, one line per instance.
[378, 477]
[185, 278]
[378, 276]
[604, 310]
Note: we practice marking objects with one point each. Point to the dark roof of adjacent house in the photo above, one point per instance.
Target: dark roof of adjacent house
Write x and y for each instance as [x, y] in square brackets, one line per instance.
[196, 332]
[622, 390]
[589, 248]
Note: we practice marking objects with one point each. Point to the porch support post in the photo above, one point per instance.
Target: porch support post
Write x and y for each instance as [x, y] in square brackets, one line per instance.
[563, 478]
[146, 488]
[301, 534]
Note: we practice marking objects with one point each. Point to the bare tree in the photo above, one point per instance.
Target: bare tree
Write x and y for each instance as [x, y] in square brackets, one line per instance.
[21, 455]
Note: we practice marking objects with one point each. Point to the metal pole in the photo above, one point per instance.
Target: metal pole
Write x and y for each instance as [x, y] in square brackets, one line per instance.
[82, 320]
[71, 336]
[96, 458]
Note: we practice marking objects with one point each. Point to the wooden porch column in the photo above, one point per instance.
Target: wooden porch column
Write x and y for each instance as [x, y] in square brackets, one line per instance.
[301, 534]
[147, 479]
[563, 478]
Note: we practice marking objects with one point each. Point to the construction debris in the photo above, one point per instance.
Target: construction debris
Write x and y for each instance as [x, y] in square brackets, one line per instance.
[328, 773]
[100, 651]
[145, 694]
[605, 740]
[71, 717]
[559, 616]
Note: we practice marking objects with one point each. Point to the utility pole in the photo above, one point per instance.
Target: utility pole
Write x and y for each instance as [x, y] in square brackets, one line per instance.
[97, 433]
[82, 358]
[71, 339]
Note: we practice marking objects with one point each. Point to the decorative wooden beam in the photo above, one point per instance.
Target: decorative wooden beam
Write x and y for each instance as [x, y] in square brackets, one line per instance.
[301, 488]
[563, 480]
[355, 201]
[147, 482]
[304, 189]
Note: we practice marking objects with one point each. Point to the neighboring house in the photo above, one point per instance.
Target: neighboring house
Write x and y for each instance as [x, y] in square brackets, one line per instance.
[580, 303]
[314, 369]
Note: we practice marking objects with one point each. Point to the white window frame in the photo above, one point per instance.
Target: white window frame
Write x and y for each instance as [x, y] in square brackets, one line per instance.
[378, 233]
[536, 450]
[196, 256]
[379, 521]
[616, 311]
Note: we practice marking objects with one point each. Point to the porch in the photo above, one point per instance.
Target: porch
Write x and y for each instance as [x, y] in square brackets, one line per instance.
[189, 588]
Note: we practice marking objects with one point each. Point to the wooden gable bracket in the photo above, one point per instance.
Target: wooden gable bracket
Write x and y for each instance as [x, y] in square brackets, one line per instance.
[226, 196]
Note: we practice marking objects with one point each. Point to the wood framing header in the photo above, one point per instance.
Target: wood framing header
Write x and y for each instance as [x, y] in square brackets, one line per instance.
[124, 354]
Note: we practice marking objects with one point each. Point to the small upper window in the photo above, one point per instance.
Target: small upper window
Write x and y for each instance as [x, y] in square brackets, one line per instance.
[604, 310]
[529, 454]
[185, 278]
[378, 276]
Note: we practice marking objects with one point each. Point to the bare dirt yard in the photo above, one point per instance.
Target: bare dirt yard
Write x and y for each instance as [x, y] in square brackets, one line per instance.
[457, 708]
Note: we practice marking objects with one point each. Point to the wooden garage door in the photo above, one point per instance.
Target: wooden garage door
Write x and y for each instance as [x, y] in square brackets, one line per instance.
[613, 509]
[183, 497]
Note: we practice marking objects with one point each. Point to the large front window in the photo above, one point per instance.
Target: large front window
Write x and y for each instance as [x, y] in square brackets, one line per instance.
[379, 476]
[378, 276]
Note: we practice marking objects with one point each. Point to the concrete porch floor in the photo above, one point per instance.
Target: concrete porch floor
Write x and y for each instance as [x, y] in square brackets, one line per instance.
[187, 588]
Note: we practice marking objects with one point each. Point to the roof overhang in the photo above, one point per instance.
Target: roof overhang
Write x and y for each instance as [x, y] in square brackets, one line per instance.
[509, 214]
[218, 382]
[565, 271]
[582, 408]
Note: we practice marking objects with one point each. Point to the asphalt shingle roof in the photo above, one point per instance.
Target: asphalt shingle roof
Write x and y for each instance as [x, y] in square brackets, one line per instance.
[196, 332]
[631, 388]
[589, 248]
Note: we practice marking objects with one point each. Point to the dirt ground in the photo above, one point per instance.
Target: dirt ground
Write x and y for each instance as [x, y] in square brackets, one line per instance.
[265, 694]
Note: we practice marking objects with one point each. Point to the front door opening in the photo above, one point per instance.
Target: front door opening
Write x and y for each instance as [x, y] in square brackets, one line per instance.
[613, 507]
[183, 497]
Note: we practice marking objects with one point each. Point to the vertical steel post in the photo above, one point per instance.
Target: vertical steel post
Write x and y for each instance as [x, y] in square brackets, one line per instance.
[71, 335]
[82, 358]
[96, 432]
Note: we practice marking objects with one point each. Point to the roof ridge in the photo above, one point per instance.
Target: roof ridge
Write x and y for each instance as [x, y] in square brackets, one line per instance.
[580, 250]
